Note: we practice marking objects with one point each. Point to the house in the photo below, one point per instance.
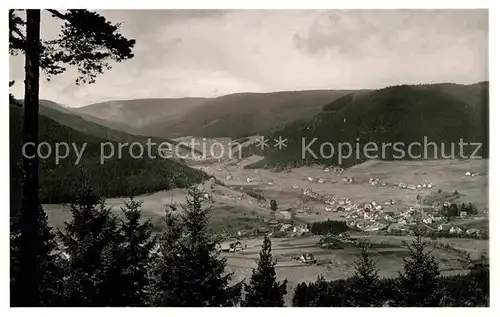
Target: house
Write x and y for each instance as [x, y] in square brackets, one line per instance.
[463, 214]
[249, 180]
[427, 220]
[300, 230]
[467, 173]
[456, 230]
[231, 246]
[307, 258]
[237, 246]
[285, 226]
[472, 231]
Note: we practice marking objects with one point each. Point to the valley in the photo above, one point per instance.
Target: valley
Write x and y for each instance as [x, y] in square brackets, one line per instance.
[379, 200]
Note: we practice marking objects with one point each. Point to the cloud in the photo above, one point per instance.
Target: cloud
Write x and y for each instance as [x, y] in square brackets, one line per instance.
[208, 53]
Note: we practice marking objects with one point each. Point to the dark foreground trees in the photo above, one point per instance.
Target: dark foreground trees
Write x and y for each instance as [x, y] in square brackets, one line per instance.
[263, 289]
[92, 242]
[419, 282]
[137, 243]
[365, 285]
[187, 268]
[88, 42]
[106, 260]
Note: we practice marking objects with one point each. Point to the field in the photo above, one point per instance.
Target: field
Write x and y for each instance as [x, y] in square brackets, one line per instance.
[336, 264]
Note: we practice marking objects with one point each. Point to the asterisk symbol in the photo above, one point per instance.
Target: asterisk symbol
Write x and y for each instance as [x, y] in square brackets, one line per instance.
[262, 142]
[280, 142]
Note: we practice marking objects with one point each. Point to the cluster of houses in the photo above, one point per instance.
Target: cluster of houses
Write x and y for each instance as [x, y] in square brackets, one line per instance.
[379, 183]
[334, 169]
[403, 185]
[471, 174]
[315, 180]
[459, 230]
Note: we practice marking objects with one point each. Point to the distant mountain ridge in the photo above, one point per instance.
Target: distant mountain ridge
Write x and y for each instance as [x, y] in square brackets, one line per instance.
[134, 115]
[233, 115]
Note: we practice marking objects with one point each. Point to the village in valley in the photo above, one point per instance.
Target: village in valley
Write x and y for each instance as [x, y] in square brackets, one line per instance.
[317, 215]
[442, 212]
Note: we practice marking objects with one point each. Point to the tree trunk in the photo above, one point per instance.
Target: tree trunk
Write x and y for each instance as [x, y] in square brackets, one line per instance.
[29, 265]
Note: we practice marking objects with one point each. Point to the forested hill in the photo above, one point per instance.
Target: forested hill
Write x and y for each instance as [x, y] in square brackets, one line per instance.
[116, 177]
[444, 113]
[94, 126]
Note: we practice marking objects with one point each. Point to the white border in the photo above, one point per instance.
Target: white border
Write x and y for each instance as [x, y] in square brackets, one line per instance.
[494, 171]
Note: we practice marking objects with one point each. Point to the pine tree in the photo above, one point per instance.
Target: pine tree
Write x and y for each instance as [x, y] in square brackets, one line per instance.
[88, 42]
[323, 293]
[419, 283]
[273, 205]
[300, 295]
[263, 289]
[134, 255]
[92, 241]
[471, 209]
[453, 210]
[49, 286]
[364, 285]
[188, 270]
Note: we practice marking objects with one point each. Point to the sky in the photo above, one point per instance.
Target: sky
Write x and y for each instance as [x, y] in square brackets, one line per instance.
[209, 53]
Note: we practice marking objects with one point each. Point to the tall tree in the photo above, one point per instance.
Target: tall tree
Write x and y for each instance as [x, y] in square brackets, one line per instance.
[134, 257]
[91, 239]
[419, 282]
[264, 290]
[32, 234]
[364, 285]
[188, 270]
[86, 41]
